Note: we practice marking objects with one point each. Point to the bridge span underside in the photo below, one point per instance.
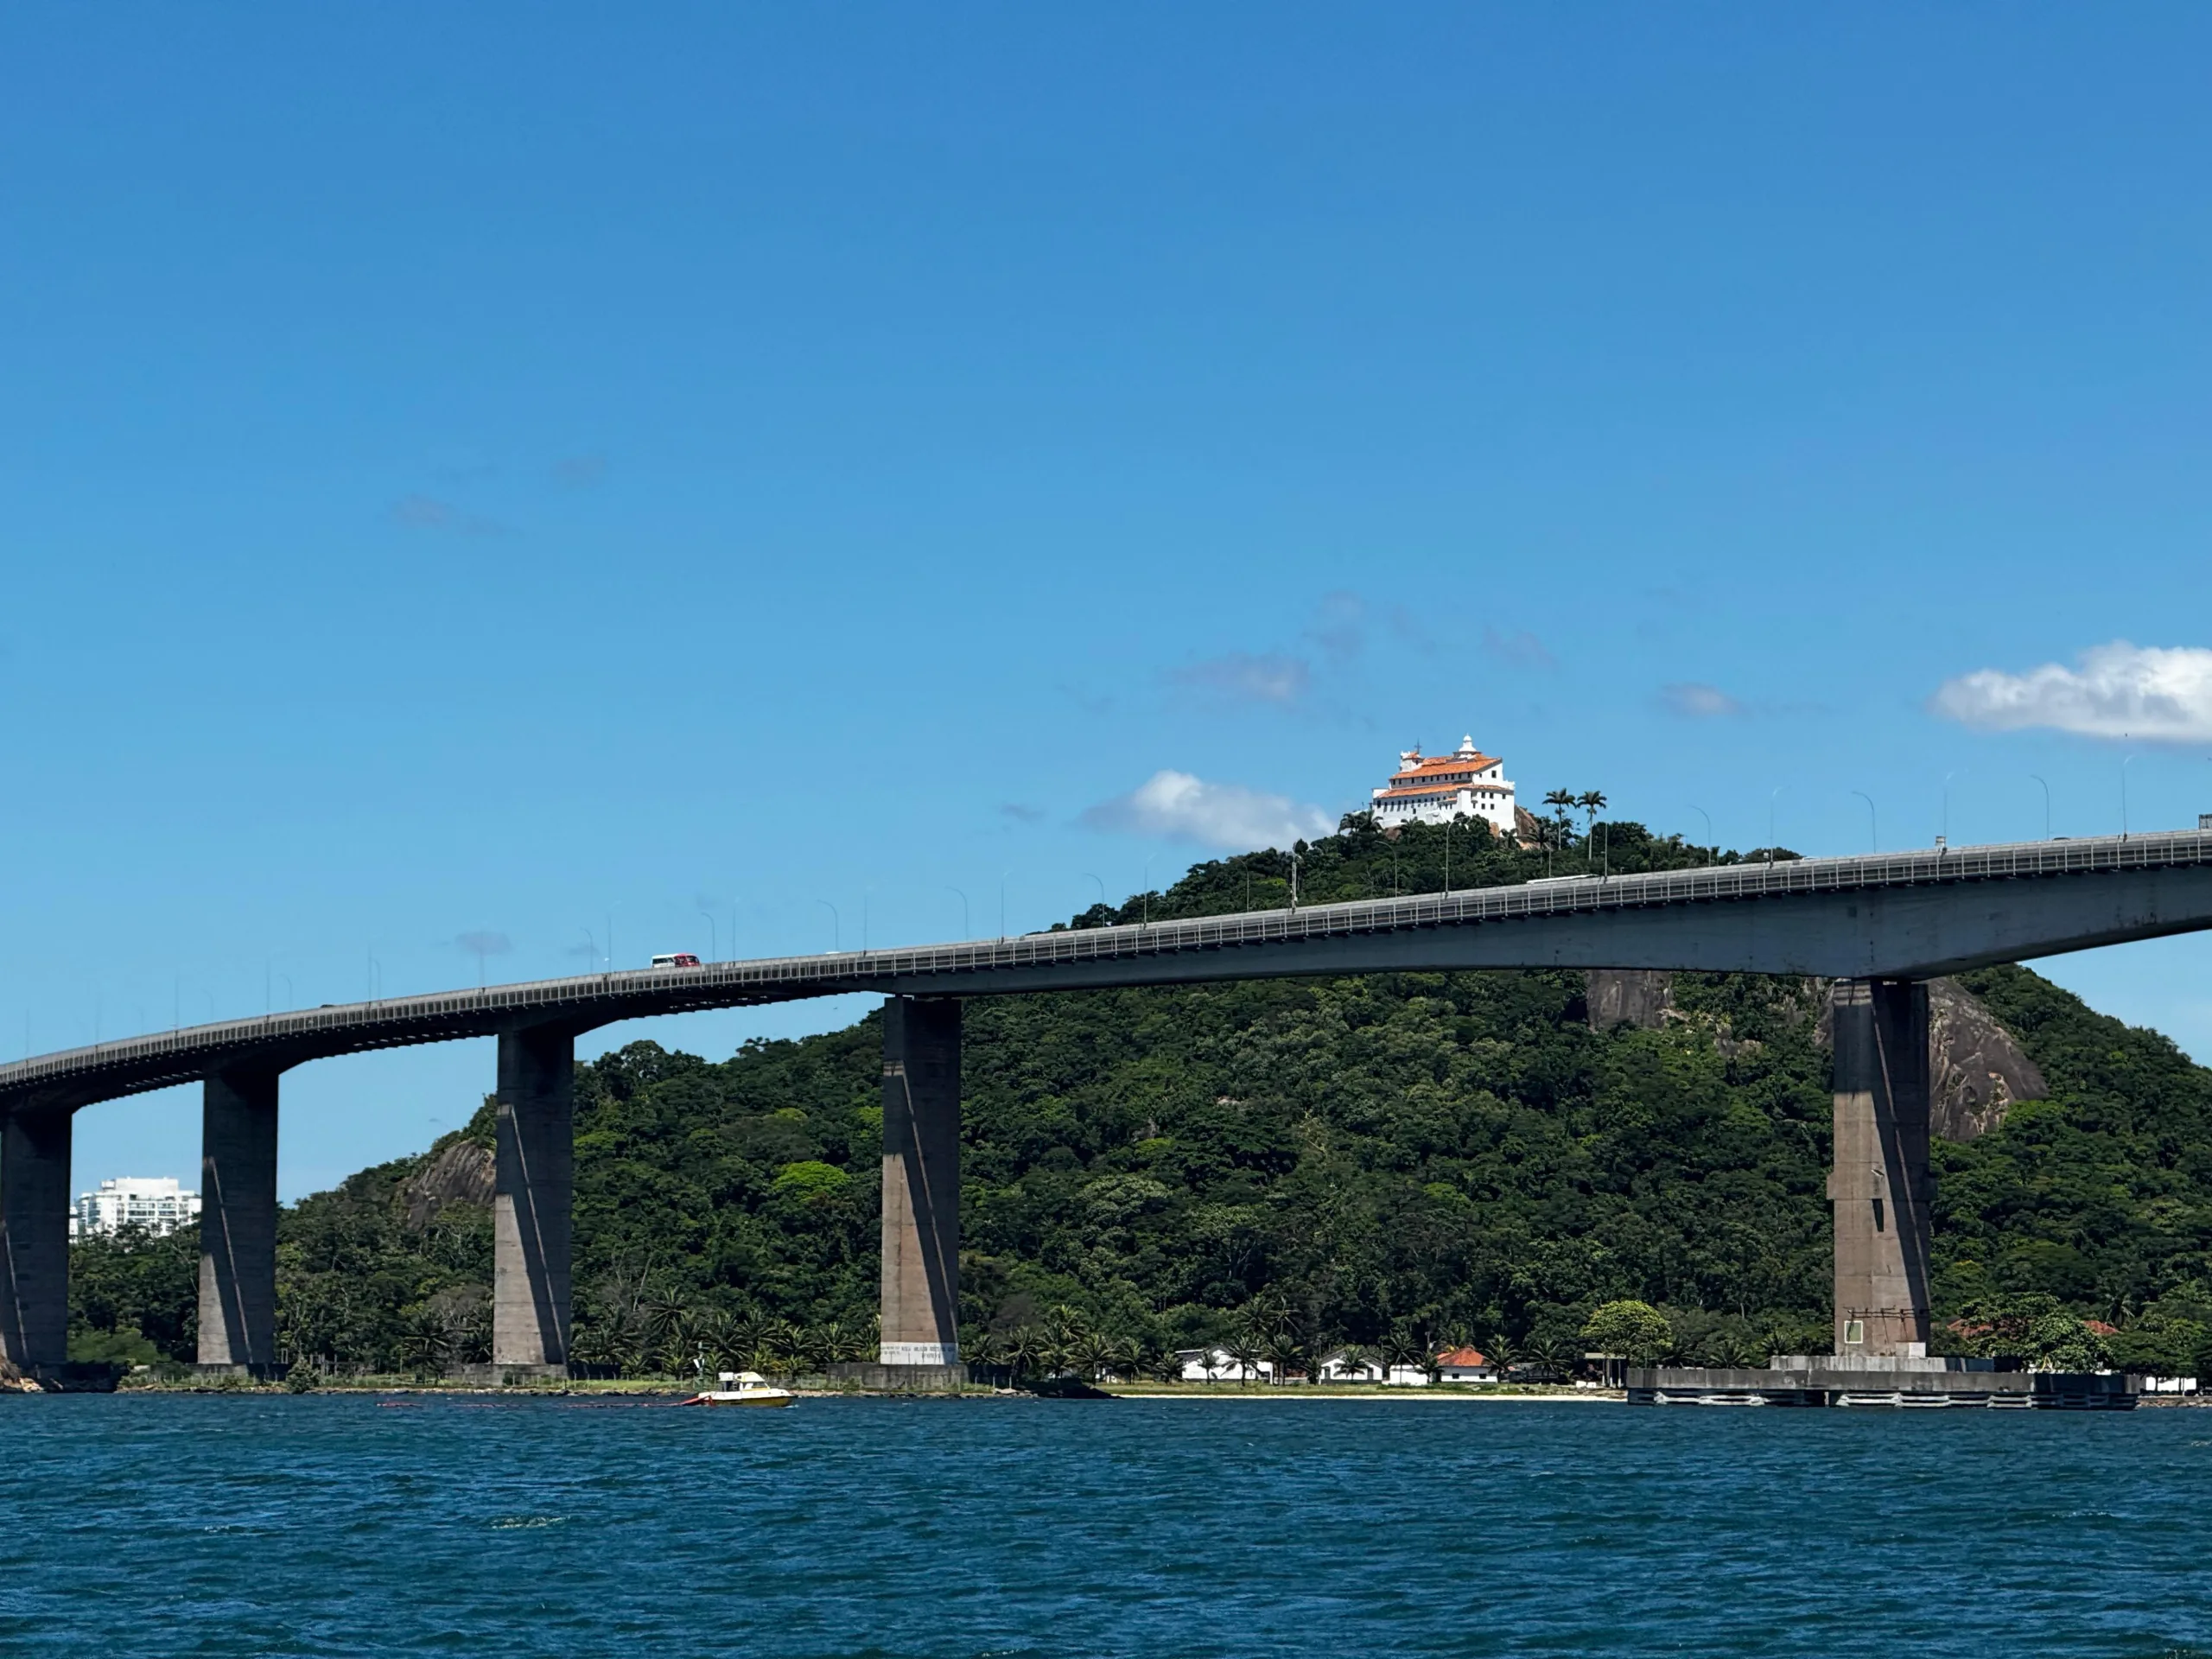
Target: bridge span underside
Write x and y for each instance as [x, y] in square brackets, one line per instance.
[1879, 927]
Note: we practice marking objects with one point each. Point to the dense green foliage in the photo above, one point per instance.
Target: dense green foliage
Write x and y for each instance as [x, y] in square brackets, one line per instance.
[1391, 1161]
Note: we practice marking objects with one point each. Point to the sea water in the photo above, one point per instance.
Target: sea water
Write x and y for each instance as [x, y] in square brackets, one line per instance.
[338, 1524]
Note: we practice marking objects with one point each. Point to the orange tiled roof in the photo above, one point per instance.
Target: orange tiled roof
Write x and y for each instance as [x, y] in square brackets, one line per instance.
[1395, 791]
[1430, 765]
[1462, 1359]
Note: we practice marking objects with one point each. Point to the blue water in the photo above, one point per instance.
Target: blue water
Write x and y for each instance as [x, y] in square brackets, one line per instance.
[326, 1525]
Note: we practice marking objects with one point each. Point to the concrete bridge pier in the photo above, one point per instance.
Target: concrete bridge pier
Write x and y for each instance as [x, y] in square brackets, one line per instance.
[35, 1239]
[533, 1196]
[921, 1188]
[238, 1223]
[1880, 1185]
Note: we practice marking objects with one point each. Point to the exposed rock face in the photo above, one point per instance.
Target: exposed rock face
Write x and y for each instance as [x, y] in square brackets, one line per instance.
[1641, 997]
[1525, 829]
[1975, 1068]
[462, 1173]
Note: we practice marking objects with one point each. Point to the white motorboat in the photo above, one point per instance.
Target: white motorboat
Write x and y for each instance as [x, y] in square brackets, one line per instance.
[741, 1389]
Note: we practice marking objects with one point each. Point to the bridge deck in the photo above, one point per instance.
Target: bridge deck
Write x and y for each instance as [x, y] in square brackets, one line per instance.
[1928, 911]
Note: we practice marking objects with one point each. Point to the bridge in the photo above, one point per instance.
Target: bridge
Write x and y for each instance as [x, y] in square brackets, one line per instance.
[1879, 925]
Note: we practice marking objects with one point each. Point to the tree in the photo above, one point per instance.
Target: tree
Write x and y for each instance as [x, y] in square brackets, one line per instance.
[1592, 801]
[1501, 1355]
[1629, 1330]
[1401, 1350]
[1561, 802]
[1554, 1355]
[1247, 1353]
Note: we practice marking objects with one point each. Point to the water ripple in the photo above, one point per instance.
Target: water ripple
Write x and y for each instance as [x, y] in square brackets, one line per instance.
[327, 1524]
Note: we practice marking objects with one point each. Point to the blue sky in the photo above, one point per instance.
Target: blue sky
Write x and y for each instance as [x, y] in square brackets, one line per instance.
[484, 473]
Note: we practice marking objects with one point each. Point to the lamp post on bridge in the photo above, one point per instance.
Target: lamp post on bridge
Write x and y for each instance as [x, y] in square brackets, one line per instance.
[714, 938]
[2046, 805]
[964, 913]
[1873, 824]
[836, 926]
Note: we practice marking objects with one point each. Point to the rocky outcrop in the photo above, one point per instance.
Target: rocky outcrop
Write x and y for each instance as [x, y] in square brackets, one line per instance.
[1639, 997]
[1975, 1068]
[459, 1173]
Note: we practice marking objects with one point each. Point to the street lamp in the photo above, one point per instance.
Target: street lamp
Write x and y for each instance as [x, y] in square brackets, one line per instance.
[1873, 824]
[836, 926]
[2046, 805]
[1773, 796]
[714, 938]
[2123, 794]
[964, 913]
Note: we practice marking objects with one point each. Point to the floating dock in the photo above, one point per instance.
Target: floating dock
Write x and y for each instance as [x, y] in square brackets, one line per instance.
[1899, 1382]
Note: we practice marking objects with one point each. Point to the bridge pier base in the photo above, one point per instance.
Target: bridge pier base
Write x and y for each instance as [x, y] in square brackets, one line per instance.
[533, 1196]
[1880, 1185]
[238, 1223]
[34, 1240]
[921, 1185]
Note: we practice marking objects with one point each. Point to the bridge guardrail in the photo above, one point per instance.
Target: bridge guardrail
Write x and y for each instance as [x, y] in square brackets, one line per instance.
[156, 1059]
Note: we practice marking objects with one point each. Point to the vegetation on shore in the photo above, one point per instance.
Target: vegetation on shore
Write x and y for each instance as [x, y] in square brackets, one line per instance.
[1393, 1162]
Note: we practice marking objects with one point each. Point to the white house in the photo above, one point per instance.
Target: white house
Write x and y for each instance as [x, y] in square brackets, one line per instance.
[1219, 1366]
[1465, 1365]
[1435, 788]
[1337, 1368]
[158, 1205]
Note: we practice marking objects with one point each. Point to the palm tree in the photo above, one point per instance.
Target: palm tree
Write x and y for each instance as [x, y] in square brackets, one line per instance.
[1554, 1355]
[668, 1322]
[1592, 801]
[1501, 1353]
[1020, 1350]
[984, 1351]
[1402, 1349]
[1246, 1353]
[1561, 802]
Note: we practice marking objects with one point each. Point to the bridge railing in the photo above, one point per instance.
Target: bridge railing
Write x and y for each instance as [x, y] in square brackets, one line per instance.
[180, 1055]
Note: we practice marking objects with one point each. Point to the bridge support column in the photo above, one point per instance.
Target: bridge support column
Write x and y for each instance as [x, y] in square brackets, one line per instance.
[237, 1222]
[533, 1193]
[34, 1240]
[921, 1182]
[1880, 1186]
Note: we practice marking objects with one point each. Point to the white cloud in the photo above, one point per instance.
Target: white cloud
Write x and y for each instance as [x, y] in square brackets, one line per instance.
[1693, 700]
[1184, 808]
[2159, 693]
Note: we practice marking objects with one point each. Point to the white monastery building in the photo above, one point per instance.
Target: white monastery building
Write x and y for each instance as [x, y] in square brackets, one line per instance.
[158, 1205]
[1435, 788]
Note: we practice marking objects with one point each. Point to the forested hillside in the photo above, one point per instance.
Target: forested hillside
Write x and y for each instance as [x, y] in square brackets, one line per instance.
[1389, 1159]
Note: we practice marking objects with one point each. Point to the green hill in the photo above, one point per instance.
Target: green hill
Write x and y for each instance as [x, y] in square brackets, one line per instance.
[1384, 1160]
